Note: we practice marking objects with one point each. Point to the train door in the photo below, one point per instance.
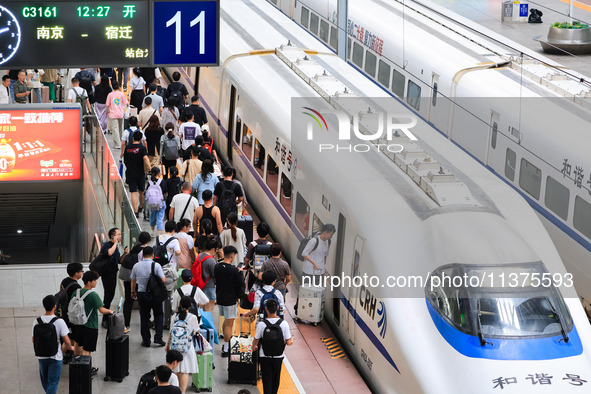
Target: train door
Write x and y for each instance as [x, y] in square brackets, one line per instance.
[231, 115]
[338, 268]
[354, 291]
[495, 120]
[433, 101]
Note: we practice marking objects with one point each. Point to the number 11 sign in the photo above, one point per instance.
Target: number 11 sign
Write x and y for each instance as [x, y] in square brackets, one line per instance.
[186, 33]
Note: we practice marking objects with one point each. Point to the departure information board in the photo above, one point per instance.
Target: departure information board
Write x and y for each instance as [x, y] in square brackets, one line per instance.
[36, 34]
[40, 144]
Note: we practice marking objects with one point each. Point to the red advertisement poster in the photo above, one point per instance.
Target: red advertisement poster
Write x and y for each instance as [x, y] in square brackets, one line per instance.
[37, 145]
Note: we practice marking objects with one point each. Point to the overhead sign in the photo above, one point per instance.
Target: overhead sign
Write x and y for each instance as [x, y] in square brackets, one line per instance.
[42, 33]
[186, 33]
[40, 144]
[74, 33]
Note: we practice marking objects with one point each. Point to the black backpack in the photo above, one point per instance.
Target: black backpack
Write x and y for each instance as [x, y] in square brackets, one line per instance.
[147, 382]
[160, 252]
[194, 309]
[305, 241]
[62, 301]
[156, 287]
[132, 258]
[45, 338]
[176, 98]
[86, 80]
[272, 341]
[227, 201]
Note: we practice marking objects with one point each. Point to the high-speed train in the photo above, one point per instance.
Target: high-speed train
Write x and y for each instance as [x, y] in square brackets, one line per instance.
[532, 133]
[408, 204]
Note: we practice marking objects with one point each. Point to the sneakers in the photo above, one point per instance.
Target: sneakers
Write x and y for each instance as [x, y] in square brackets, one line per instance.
[137, 214]
[159, 343]
[225, 354]
[93, 370]
[127, 330]
[146, 344]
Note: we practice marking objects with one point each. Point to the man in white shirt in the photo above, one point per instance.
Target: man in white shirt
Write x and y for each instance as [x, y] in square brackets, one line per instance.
[50, 368]
[128, 134]
[188, 131]
[316, 251]
[5, 90]
[78, 91]
[269, 358]
[183, 205]
[173, 248]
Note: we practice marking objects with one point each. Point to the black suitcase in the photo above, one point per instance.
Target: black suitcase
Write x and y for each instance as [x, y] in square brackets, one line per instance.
[241, 371]
[245, 223]
[117, 359]
[80, 375]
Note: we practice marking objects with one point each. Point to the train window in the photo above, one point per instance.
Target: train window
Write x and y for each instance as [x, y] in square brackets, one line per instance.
[582, 216]
[314, 23]
[357, 54]
[238, 127]
[334, 38]
[259, 157]
[413, 95]
[305, 17]
[447, 300]
[274, 2]
[493, 138]
[384, 73]
[398, 82]
[272, 175]
[434, 98]
[302, 216]
[247, 142]
[316, 224]
[370, 64]
[557, 197]
[349, 46]
[510, 160]
[324, 30]
[530, 178]
[285, 195]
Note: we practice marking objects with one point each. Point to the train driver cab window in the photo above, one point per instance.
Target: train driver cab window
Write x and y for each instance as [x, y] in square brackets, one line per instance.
[413, 95]
[302, 215]
[446, 299]
[530, 178]
[272, 175]
[582, 216]
[238, 128]
[384, 74]
[247, 142]
[324, 30]
[314, 23]
[357, 55]
[557, 197]
[370, 64]
[510, 160]
[259, 157]
[316, 224]
[334, 38]
[305, 17]
[285, 193]
[398, 81]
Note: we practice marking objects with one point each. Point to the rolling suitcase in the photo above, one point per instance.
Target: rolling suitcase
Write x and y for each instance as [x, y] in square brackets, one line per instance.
[202, 379]
[311, 304]
[243, 362]
[117, 359]
[209, 335]
[245, 223]
[80, 375]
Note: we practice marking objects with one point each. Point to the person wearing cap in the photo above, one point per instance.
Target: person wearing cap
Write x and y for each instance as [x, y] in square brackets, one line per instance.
[199, 115]
[200, 297]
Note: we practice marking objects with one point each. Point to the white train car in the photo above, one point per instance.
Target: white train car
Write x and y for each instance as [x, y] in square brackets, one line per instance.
[534, 138]
[393, 218]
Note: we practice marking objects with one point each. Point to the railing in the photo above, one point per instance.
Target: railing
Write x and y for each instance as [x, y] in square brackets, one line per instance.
[118, 204]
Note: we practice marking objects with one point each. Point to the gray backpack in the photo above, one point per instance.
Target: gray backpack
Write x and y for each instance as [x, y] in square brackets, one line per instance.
[116, 327]
[170, 149]
[76, 313]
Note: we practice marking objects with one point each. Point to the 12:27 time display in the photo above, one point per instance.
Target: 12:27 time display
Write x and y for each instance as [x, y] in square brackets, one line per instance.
[88, 12]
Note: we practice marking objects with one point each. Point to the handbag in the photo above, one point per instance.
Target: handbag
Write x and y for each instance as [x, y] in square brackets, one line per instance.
[125, 274]
[100, 263]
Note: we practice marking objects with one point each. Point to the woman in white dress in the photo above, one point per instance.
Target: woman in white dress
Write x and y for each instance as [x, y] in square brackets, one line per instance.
[189, 364]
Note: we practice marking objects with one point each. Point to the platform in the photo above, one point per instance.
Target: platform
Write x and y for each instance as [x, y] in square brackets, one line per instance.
[487, 14]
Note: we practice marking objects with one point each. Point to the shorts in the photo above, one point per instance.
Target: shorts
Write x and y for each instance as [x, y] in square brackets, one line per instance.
[86, 337]
[229, 312]
[210, 293]
[135, 182]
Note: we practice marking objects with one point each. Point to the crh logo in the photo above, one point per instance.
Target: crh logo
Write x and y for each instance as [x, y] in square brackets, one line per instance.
[388, 126]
